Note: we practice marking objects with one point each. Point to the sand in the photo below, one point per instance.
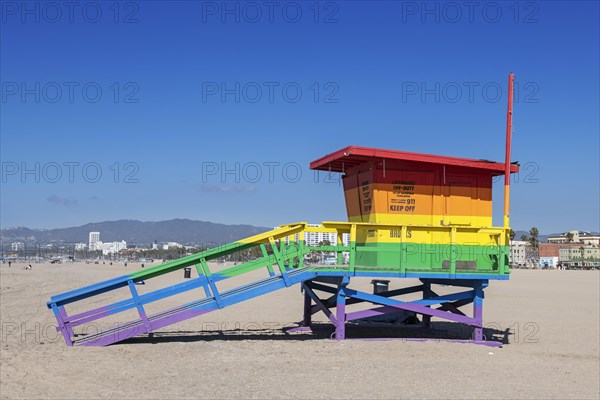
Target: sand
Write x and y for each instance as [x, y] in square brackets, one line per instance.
[551, 320]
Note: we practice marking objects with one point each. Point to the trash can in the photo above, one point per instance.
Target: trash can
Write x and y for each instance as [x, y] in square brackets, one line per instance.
[380, 285]
[187, 273]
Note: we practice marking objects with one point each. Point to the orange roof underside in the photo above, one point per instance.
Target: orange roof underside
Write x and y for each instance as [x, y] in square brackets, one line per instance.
[351, 156]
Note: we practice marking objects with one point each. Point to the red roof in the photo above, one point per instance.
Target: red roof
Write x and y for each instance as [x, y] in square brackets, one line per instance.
[351, 156]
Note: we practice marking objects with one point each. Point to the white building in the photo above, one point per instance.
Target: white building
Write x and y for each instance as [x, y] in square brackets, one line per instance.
[80, 246]
[587, 238]
[518, 253]
[580, 256]
[94, 240]
[107, 248]
[16, 246]
[171, 245]
[111, 247]
[314, 238]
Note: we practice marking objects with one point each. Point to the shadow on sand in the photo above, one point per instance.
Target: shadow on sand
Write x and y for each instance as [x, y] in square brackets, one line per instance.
[440, 331]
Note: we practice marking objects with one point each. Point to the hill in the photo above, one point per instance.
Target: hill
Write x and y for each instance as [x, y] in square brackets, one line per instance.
[184, 231]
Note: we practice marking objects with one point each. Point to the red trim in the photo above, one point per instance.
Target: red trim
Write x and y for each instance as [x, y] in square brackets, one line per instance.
[350, 156]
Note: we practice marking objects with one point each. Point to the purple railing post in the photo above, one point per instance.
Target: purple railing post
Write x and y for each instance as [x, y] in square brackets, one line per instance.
[63, 314]
[61, 325]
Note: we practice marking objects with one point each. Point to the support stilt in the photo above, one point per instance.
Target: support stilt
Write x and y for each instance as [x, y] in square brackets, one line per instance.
[340, 310]
[478, 313]
[426, 295]
[306, 321]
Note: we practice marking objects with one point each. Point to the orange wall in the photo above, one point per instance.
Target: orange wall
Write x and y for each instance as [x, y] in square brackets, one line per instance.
[417, 194]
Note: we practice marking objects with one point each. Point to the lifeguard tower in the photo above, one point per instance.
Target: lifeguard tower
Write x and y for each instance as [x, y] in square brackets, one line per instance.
[410, 215]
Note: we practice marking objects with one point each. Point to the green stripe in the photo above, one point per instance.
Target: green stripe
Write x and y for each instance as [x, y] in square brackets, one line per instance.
[401, 257]
[415, 257]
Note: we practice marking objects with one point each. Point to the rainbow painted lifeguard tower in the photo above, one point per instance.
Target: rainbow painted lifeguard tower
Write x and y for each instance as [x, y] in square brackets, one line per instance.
[410, 215]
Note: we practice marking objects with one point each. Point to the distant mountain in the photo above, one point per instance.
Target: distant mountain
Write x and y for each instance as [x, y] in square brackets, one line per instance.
[541, 238]
[184, 231]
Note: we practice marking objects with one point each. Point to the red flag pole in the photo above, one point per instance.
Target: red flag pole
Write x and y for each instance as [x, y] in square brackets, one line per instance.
[511, 81]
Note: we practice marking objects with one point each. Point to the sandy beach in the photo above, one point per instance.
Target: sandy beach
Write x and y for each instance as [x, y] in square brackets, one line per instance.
[549, 319]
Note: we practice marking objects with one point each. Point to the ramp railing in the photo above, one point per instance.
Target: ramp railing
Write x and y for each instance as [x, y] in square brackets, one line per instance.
[273, 252]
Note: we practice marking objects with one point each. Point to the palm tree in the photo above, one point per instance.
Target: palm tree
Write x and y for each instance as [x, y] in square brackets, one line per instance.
[533, 237]
[569, 237]
[534, 244]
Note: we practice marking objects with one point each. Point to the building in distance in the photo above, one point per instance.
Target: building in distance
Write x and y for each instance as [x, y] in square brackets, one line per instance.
[583, 237]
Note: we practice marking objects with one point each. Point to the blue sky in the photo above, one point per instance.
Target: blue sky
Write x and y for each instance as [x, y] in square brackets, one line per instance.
[160, 98]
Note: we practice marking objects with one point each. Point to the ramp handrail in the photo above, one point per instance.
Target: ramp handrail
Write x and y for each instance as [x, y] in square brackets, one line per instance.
[216, 252]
